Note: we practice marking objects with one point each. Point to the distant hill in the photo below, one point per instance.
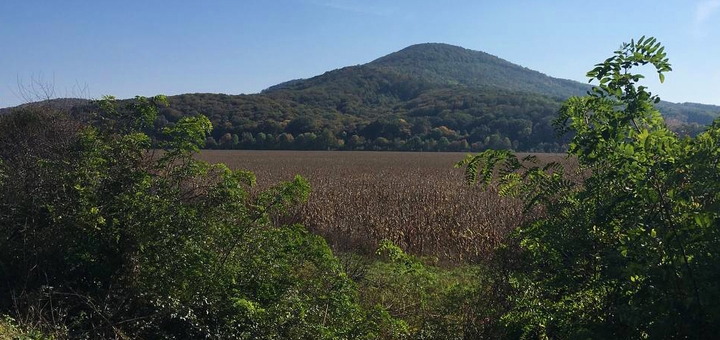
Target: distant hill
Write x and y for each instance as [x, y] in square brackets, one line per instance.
[453, 65]
[424, 97]
[702, 114]
[282, 85]
[65, 104]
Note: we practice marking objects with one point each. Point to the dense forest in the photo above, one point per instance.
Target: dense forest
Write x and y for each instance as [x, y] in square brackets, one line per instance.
[426, 97]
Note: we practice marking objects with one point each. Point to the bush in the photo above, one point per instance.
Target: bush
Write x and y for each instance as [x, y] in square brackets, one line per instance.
[109, 238]
[432, 302]
[9, 329]
[633, 251]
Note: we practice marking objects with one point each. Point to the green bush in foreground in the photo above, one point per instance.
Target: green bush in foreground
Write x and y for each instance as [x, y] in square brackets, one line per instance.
[435, 303]
[101, 237]
[634, 251]
[9, 329]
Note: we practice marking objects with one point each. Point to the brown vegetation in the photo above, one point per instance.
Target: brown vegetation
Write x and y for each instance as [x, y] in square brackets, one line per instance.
[416, 200]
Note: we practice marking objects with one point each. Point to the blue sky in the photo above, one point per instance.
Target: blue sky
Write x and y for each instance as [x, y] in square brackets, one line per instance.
[127, 48]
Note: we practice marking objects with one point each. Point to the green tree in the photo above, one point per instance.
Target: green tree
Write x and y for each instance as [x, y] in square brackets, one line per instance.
[226, 140]
[632, 252]
[247, 141]
[381, 143]
[301, 125]
[262, 140]
[210, 142]
[306, 141]
[443, 144]
[327, 140]
[103, 237]
[356, 142]
[286, 141]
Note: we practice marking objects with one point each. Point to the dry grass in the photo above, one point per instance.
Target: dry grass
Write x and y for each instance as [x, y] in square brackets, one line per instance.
[417, 200]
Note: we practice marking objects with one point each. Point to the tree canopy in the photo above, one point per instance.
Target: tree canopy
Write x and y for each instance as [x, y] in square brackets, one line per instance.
[486, 101]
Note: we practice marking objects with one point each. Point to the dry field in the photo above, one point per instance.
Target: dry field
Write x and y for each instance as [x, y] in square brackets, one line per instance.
[417, 200]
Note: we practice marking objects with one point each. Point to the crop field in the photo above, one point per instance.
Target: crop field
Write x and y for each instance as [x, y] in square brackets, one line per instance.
[419, 201]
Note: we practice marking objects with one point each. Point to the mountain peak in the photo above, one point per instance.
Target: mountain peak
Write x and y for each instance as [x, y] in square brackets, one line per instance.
[433, 52]
[453, 65]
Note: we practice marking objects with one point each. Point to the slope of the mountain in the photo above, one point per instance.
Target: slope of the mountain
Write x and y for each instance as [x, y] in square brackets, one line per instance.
[282, 85]
[65, 104]
[363, 91]
[692, 113]
[424, 97]
[453, 65]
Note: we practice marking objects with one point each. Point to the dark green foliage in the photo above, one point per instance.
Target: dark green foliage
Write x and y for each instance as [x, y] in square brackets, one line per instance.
[433, 302]
[9, 329]
[633, 251]
[487, 102]
[480, 119]
[102, 237]
[453, 65]
[370, 100]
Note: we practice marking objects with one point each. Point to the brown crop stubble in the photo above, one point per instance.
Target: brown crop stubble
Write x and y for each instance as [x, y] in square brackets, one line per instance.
[417, 200]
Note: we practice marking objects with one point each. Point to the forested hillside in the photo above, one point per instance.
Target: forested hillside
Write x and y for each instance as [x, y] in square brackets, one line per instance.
[453, 65]
[429, 97]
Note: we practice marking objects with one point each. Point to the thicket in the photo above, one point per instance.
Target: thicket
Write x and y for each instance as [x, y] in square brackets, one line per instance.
[101, 237]
[632, 252]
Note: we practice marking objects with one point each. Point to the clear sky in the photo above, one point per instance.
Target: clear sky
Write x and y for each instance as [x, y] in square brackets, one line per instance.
[127, 48]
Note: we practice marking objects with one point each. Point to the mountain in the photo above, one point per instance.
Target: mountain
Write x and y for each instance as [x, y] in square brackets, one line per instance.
[63, 104]
[424, 97]
[453, 65]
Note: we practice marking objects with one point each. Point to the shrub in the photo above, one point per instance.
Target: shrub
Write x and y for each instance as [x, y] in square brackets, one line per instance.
[632, 252]
[433, 302]
[112, 239]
